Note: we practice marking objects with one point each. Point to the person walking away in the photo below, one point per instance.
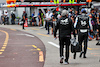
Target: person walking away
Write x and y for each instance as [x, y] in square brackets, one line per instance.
[65, 26]
[13, 17]
[83, 22]
[24, 16]
[49, 21]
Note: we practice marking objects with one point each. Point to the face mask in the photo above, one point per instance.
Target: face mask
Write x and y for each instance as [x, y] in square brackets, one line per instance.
[48, 11]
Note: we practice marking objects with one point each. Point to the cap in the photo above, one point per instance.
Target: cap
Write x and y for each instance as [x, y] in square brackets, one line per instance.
[83, 10]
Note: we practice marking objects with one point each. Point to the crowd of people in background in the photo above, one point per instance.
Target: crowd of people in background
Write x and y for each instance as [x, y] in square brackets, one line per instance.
[51, 17]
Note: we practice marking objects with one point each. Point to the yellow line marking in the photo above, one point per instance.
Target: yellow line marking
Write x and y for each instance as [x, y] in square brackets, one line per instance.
[34, 46]
[35, 29]
[5, 42]
[41, 59]
[43, 35]
[3, 47]
[0, 52]
[38, 49]
[89, 48]
[13, 29]
[93, 48]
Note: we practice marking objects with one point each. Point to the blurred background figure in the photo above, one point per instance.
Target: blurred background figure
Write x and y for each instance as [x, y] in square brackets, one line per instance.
[58, 16]
[33, 14]
[34, 21]
[1, 17]
[40, 19]
[6, 17]
[49, 20]
[12, 18]
[71, 13]
[24, 16]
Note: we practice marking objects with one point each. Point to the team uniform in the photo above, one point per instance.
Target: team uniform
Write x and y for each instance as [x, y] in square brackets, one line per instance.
[82, 22]
[65, 26]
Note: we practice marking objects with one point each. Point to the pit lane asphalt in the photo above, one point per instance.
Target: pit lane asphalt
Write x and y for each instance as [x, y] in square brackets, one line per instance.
[20, 49]
[52, 51]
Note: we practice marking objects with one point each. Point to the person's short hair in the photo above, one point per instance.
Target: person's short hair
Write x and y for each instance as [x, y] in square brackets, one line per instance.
[64, 12]
[92, 9]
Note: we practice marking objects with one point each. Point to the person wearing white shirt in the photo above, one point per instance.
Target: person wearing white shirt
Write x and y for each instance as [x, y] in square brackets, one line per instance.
[49, 21]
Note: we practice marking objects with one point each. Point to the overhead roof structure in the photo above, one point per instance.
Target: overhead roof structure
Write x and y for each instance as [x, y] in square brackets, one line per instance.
[48, 4]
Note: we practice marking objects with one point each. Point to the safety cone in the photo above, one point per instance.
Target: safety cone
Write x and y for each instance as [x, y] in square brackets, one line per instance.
[26, 24]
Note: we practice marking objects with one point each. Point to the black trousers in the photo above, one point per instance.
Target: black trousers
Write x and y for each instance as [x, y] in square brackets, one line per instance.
[74, 34]
[99, 29]
[83, 37]
[49, 24]
[13, 21]
[64, 41]
[23, 24]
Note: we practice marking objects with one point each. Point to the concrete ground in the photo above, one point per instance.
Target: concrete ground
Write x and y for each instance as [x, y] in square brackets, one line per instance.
[52, 49]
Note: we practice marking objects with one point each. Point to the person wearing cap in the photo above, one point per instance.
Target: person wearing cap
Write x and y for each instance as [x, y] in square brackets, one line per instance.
[83, 22]
[65, 26]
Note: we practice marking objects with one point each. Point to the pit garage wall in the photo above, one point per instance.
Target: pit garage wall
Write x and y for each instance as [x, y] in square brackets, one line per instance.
[19, 11]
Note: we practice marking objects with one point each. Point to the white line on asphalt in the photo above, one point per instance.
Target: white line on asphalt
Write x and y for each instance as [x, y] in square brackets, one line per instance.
[29, 35]
[54, 44]
[26, 35]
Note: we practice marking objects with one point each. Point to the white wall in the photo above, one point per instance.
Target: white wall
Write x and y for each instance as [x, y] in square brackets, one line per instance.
[2, 1]
[20, 11]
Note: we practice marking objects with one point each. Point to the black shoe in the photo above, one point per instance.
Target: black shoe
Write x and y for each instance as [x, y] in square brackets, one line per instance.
[98, 43]
[61, 60]
[81, 54]
[84, 56]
